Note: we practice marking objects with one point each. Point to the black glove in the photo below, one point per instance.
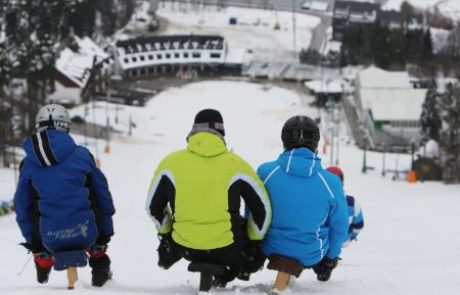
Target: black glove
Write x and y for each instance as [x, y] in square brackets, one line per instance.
[35, 247]
[167, 253]
[324, 268]
[103, 239]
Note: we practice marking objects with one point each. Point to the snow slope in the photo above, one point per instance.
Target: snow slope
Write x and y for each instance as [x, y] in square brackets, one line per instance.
[409, 245]
[254, 29]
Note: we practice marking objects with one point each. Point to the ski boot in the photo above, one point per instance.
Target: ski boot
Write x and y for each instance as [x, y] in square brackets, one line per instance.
[43, 264]
[100, 264]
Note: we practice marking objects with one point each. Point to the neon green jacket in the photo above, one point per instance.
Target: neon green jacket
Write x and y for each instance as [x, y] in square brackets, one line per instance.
[196, 192]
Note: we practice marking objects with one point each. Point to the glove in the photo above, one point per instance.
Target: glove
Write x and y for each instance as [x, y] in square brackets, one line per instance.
[34, 247]
[167, 253]
[250, 250]
[103, 239]
[324, 268]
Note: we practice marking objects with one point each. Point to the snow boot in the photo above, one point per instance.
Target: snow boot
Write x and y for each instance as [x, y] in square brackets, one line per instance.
[101, 272]
[43, 264]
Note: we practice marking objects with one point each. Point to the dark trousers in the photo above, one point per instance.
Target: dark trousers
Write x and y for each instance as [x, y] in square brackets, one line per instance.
[244, 257]
[228, 256]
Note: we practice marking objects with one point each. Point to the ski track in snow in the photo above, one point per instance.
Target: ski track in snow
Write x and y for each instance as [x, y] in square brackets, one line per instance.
[409, 244]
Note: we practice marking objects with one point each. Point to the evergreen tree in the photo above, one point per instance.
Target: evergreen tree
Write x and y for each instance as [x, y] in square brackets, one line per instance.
[427, 49]
[450, 105]
[451, 116]
[430, 119]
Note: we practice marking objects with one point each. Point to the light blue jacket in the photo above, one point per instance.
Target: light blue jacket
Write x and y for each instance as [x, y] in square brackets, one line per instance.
[310, 218]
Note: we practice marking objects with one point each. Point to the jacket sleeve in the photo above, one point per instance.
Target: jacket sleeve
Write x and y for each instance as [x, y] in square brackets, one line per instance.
[24, 204]
[161, 190]
[103, 199]
[338, 221]
[257, 202]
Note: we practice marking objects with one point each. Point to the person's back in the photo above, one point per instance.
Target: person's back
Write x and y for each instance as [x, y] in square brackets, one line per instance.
[309, 221]
[305, 200]
[206, 180]
[57, 175]
[195, 197]
[62, 200]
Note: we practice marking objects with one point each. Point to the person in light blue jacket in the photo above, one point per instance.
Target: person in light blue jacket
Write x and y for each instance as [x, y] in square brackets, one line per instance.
[310, 222]
[355, 213]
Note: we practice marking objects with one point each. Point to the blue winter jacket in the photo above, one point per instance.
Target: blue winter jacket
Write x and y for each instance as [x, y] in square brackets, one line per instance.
[309, 209]
[62, 200]
[355, 218]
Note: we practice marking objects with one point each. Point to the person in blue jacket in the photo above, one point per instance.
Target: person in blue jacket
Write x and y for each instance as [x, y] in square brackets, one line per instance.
[62, 201]
[310, 220]
[355, 214]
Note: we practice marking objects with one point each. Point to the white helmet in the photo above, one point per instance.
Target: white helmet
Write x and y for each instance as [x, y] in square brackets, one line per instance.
[52, 116]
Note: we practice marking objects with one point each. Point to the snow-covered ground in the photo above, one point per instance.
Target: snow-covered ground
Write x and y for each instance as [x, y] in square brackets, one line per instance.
[450, 8]
[254, 28]
[409, 245]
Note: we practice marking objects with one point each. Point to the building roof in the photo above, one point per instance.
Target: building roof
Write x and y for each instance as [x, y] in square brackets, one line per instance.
[373, 77]
[88, 47]
[393, 104]
[319, 86]
[353, 6]
[76, 66]
[142, 43]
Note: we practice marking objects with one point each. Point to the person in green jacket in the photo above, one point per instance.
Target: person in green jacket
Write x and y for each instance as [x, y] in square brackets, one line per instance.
[194, 200]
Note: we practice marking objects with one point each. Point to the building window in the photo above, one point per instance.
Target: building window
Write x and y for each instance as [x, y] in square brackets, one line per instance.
[126, 61]
[168, 55]
[159, 56]
[215, 55]
[151, 70]
[134, 59]
[143, 72]
[176, 55]
[142, 58]
[151, 56]
[196, 55]
[185, 54]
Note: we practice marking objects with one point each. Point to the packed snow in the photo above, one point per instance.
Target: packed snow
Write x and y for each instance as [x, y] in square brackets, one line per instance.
[409, 244]
[265, 32]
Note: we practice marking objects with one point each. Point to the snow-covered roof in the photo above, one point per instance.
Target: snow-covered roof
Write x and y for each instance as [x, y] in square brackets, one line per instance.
[393, 104]
[319, 86]
[88, 47]
[374, 77]
[75, 66]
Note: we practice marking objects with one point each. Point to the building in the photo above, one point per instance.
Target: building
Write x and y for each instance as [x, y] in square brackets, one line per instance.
[325, 91]
[80, 72]
[395, 20]
[346, 13]
[352, 13]
[184, 56]
[389, 108]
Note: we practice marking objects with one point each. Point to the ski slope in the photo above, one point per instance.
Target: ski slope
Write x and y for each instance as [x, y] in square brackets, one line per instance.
[254, 29]
[409, 244]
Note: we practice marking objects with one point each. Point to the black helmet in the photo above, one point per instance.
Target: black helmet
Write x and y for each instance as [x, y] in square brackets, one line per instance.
[300, 131]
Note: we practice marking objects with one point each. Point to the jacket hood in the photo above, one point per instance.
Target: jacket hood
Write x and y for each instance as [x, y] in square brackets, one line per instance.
[299, 162]
[206, 144]
[49, 147]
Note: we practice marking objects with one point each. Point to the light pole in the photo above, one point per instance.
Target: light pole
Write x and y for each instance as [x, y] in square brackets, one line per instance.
[294, 29]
